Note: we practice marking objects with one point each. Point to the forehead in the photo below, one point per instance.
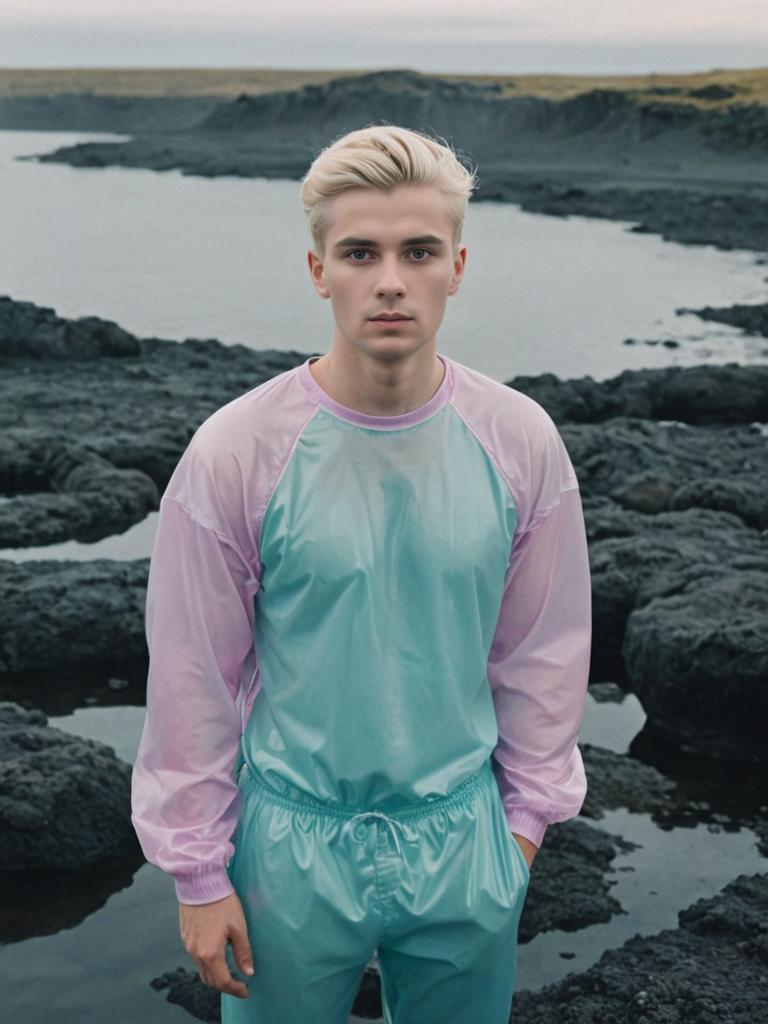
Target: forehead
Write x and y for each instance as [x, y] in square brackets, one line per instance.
[374, 213]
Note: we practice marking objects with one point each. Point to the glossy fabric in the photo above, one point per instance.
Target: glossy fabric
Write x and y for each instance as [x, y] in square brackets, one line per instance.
[379, 609]
[365, 607]
[436, 886]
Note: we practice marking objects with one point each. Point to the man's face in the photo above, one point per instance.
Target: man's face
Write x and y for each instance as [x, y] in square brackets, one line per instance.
[388, 252]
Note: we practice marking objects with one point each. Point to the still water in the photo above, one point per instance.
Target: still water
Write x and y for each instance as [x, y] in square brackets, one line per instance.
[176, 257]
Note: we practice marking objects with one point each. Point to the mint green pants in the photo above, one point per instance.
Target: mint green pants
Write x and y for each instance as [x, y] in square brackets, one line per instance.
[436, 887]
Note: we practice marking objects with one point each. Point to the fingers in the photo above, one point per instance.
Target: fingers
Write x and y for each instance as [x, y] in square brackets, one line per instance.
[205, 931]
[241, 949]
[215, 972]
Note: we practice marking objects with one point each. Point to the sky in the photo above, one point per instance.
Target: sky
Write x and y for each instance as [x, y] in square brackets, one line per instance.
[490, 36]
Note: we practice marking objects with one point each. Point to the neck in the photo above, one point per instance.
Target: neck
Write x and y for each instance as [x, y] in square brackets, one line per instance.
[379, 387]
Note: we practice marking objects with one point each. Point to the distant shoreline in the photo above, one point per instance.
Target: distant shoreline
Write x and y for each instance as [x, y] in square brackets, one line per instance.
[750, 85]
[682, 156]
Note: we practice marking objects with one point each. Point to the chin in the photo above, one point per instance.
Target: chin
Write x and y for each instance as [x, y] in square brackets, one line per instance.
[392, 351]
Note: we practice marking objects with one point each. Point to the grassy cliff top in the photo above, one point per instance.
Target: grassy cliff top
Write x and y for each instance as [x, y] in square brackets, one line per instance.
[746, 85]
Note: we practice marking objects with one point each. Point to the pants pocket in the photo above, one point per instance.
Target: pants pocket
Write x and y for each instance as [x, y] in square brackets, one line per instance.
[518, 852]
[514, 848]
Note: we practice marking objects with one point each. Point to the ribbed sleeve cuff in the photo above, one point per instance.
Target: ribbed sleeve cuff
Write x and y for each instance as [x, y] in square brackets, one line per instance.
[203, 887]
[528, 824]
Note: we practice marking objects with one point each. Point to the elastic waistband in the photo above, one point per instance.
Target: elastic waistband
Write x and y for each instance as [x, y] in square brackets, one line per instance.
[301, 800]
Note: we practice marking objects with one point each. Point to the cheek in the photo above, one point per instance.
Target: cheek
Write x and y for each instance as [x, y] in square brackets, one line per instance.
[344, 289]
[437, 284]
[439, 276]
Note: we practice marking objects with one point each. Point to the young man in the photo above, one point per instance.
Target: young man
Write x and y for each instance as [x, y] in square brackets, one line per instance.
[369, 623]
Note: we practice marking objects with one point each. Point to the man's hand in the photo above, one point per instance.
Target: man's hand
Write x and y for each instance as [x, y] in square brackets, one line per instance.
[529, 849]
[205, 930]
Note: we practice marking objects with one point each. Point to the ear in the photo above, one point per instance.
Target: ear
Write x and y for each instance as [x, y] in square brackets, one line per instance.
[317, 274]
[458, 270]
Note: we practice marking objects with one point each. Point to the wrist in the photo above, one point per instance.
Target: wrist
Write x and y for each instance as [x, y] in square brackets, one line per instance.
[206, 886]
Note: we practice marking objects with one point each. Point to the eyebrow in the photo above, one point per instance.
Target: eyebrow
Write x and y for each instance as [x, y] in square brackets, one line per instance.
[418, 240]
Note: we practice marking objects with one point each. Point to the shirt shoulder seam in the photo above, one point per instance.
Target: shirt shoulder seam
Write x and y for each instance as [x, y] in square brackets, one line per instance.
[544, 513]
[195, 516]
[490, 453]
[284, 462]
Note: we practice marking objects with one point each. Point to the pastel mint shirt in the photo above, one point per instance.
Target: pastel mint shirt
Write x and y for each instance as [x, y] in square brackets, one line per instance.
[366, 606]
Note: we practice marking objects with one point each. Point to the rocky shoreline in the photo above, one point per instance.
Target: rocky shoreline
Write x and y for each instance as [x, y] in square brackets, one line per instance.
[695, 175]
[672, 464]
[673, 471]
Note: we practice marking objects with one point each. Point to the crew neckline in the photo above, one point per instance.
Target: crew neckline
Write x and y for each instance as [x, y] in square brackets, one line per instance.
[363, 419]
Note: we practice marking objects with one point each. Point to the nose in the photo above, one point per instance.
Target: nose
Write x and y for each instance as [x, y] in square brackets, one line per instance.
[389, 280]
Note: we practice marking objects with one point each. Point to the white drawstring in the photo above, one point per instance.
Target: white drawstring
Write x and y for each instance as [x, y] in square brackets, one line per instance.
[389, 821]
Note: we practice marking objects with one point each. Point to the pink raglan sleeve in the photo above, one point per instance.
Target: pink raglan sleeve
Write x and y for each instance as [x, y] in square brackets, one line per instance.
[539, 660]
[199, 628]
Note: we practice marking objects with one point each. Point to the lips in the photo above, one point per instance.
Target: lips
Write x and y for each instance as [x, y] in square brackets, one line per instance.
[390, 319]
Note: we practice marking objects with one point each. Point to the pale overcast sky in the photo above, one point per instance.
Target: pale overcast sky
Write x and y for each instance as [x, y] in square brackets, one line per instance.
[492, 36]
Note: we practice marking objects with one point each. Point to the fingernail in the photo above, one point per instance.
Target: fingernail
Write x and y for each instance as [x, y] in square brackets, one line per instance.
[249, 969]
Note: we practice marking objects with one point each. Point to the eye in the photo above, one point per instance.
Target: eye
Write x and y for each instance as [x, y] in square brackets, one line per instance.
[426, 253]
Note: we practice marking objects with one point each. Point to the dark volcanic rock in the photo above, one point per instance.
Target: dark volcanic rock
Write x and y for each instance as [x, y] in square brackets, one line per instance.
[752, 318]
[65, 491]
[713, 92]
[93, 420]
[56, 614]
[659, 556]
[35, 332]
[693, 394]
[64, 801]
[615, 780]
[711, 970]
[698, 661]
[185, 989]
[664, 90]
[568, 888]
[89, 112]
[649, 467]
[744, 498]
[720, 213]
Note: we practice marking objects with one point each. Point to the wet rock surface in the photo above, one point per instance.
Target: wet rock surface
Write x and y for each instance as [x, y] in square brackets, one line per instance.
[752, 318]
[635, 558]
[75, 493]
[698, 395]
[698, 662]
[720, 213]
[569, 886]
[94, 419]
[63, 799]
[713, 969]
[71, 613]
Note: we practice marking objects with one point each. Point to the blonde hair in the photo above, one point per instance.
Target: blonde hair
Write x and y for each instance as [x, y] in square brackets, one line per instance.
[383, 156]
